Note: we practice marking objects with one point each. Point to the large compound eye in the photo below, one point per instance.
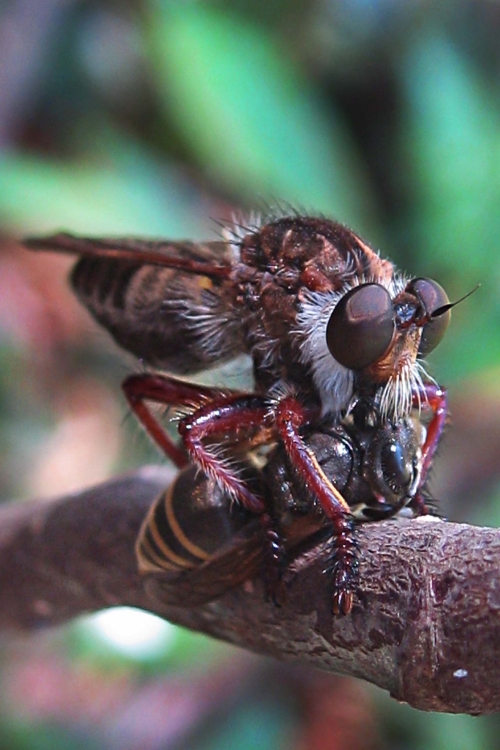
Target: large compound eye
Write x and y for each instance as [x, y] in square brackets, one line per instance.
[361, 327]
[433, 298]
[396, 470]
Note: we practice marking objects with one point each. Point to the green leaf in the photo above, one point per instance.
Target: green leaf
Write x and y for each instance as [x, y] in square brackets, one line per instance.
[39, 195]
[452, 140]
[452, 137]
[252, 119]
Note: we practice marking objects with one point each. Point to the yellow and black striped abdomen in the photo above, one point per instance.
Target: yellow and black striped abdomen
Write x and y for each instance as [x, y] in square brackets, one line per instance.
[187, 524]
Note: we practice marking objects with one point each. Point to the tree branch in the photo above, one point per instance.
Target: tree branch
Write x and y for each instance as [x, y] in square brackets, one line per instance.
[425, 624]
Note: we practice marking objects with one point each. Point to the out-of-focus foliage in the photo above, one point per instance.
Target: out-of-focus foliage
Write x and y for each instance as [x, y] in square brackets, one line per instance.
[156, 117]
[451, 136]
[250, 115]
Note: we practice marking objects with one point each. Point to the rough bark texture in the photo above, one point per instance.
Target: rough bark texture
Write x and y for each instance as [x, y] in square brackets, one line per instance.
[425, 624]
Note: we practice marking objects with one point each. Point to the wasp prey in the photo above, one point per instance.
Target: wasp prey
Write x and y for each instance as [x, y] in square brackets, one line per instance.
[207, 545]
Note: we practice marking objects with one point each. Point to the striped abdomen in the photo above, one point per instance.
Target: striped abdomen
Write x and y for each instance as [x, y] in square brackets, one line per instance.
[187, 525]
[180, 322]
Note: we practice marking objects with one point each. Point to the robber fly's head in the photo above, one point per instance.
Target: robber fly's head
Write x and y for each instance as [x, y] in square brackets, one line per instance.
[381, 338]
[370, 331]
[374, 336]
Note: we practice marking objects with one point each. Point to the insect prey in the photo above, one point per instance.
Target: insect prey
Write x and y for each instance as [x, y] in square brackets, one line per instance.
[209, 545]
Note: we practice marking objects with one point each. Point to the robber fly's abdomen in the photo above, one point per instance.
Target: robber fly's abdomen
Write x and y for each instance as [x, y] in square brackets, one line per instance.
[173, 320]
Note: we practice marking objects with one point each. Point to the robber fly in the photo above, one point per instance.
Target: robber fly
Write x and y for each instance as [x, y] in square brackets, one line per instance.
[208, 545]
[325, 320]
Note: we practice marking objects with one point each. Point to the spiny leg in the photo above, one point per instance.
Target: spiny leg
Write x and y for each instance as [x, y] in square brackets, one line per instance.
[162, 389]
[215, 412]
[232, 417]
[290, 417]
[238, 416]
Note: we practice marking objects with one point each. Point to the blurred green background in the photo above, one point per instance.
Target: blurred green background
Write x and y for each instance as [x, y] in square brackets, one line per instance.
[160, 118]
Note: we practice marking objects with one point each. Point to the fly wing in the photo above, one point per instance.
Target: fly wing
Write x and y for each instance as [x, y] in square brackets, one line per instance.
[237, 561]
[169, 303]
[241, 559]
[209, 258]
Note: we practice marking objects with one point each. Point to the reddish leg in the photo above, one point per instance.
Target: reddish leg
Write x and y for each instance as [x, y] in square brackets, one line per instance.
[235, 417]
[230, 414]
[164, 390]
[436, 399]
[290, 417]
[215, 413]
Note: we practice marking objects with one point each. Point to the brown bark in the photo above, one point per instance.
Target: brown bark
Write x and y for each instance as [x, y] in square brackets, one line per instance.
[425, 624]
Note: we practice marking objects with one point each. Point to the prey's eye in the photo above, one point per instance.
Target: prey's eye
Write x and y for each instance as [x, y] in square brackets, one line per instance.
[361, 327]
[433, 299]
[395, 468]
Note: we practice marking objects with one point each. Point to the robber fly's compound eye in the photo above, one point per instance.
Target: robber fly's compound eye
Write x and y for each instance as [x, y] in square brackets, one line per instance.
[361, 327]
[433, 299]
